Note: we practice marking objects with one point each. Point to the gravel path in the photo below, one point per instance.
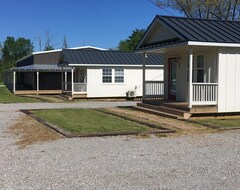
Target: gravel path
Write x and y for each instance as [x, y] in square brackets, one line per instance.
[209, 161]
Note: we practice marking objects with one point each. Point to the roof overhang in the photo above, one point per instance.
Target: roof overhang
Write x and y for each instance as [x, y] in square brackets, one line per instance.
[109, 65]
[213, 44]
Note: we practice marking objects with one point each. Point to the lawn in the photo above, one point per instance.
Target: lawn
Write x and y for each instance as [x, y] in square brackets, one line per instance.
[7, 97]
[228, 122]
[88, 121]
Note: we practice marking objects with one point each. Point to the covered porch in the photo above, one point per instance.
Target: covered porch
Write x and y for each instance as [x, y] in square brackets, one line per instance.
[190, 76]
[75, 84]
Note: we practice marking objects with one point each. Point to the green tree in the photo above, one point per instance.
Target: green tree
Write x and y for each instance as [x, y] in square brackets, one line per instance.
[210, 9]
[48, 44]
[14, 49]
[130, 43]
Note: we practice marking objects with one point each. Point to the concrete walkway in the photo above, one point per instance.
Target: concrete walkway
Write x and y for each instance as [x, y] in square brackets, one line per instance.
[85, 104]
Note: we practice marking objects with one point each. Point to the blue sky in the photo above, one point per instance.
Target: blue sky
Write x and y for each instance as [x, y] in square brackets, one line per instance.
[101, 23]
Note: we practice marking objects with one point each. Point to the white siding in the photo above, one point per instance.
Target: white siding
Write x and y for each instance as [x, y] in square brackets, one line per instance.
[229, 80]
[132, 80]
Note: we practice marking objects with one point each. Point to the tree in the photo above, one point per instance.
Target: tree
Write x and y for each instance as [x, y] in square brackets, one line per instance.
[209, 9]
[65, 44]
[130, 43]
[48, 44]
[14, 49]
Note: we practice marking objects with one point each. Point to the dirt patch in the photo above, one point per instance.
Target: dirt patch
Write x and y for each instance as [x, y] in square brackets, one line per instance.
[181, 127]
[29, 131]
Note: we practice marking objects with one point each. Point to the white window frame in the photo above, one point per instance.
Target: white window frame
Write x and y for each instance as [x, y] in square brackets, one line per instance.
[107, 75]
[117, 75]
[195, 68]
[113, 76]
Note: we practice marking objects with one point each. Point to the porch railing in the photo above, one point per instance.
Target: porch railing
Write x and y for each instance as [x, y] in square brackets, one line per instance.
[204, 93]
[154, 89]
[80, 87]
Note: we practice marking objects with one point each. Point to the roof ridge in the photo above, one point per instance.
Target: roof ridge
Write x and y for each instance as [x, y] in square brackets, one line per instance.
[191, 18]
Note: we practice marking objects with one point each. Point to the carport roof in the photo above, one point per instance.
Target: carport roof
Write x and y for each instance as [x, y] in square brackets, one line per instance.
[43, 68]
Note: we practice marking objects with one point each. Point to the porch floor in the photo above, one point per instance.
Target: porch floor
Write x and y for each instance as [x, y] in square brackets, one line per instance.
[33, 92]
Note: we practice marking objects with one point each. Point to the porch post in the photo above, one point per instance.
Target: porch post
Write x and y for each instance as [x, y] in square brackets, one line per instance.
[144, 75]
[14, 81]
[190, 87]
[37, 80]
[62, 79]
[72, 81]
[65, 81]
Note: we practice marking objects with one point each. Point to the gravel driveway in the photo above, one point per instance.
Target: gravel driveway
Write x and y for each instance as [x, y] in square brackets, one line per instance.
[209, 161]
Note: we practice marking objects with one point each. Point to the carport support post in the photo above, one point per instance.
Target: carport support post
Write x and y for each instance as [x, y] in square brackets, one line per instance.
[72, 81]
[144, 74]
[14, 81]
[190, 87]
[65, 81]
[62, 79]
[37, 81]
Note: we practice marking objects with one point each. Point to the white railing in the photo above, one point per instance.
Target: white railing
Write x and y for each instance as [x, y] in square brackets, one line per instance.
[204, 93]
[80, 87]
[154, 89]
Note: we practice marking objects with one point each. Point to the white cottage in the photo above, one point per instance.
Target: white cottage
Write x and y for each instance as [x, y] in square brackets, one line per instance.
[107, 74]
[201, 67]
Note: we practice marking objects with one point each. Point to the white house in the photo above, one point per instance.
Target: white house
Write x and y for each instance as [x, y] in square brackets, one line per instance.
[100, 74]
[202, 62]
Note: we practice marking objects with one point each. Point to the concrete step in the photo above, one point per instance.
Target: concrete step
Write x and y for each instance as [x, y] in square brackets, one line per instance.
[156, 112]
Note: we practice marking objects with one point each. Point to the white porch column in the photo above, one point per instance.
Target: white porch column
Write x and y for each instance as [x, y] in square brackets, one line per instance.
[72, 81]
[190, 87]
[14, 81]
[62, 79]
[144, 75]
[37, 81]
[65, 79]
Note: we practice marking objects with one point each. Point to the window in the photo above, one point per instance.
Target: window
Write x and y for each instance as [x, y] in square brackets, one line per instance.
[200, 68]
[119, 76]
[107, 75]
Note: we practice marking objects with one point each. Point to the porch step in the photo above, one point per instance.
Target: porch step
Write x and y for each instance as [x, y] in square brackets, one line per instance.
[165, 109]
[159, 113]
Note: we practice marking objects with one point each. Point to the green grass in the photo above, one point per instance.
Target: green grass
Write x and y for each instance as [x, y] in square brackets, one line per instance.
[222, 123]
[88, 121]
[7, 97]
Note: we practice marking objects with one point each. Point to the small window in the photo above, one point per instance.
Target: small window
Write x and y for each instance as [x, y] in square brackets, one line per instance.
[107, 75]
[119, 76]
[200, 68]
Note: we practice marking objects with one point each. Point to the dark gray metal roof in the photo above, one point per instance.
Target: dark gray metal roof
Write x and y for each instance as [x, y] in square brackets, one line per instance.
[107, 58]
[198, 30]
[42, 68]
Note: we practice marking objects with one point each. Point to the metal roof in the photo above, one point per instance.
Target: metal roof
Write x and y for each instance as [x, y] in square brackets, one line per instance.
[198, 30]
[84, 57]
[43, 68]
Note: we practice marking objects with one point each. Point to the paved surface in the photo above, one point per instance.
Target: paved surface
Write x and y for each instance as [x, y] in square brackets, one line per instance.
[209, 161]
[87, 104]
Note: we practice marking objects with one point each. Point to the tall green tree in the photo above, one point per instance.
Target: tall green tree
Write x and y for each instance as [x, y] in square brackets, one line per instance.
[14, 49]
[209, 9]
[130, 43]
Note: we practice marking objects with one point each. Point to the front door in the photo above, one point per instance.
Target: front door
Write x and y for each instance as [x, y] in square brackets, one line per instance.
[172, 65]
